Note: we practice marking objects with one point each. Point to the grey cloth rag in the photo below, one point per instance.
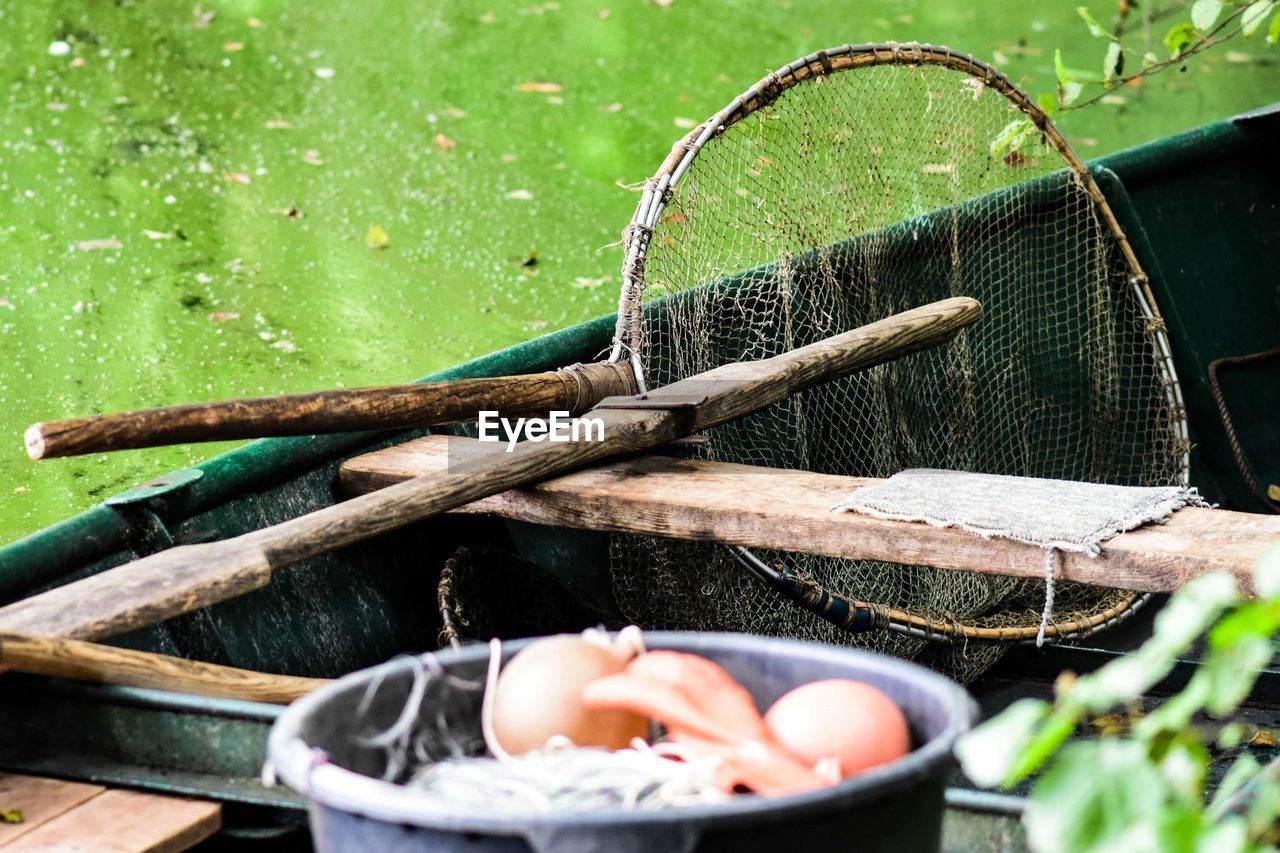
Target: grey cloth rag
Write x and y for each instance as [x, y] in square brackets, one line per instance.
[1058, 515]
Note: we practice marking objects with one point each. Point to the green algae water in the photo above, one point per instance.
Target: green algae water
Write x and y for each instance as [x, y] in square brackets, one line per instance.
[256, 197]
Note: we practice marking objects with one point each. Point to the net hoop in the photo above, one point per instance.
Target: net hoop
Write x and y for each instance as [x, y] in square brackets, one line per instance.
[628, 343]
[628, 334]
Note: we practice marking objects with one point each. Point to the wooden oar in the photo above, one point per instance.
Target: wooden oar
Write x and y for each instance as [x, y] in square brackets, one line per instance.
[109, 665]
[574, 389]
[190, 577]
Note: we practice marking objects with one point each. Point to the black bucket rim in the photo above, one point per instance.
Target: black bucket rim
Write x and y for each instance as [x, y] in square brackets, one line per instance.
[305, 769]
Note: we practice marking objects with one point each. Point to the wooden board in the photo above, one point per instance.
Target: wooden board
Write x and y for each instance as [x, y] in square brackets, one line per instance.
[39, 800]
[791, 511]
[115, 821]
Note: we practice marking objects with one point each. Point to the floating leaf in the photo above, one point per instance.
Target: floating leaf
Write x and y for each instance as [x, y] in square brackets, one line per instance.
[443, 143]
[377, 238]
[1254, 16]
[686, 123]
[543, 87]
[233, 46]
[99, 245]
[1205, 12]
[278, 124]
[583, 281]
[324, 73]
[237, 177]
[312, 157]
[615, 107]
[519, 195]
[158, 235]
[223, 316]
[1263, 739]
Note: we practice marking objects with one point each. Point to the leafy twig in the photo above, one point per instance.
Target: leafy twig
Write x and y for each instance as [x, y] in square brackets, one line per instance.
[1209, 40]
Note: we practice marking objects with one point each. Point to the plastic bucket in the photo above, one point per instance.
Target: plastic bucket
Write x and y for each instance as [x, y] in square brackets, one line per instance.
[897, 807]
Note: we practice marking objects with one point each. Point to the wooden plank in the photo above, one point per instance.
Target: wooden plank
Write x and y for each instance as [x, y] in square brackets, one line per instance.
[125, 822]
[791, 511]
[39, 800]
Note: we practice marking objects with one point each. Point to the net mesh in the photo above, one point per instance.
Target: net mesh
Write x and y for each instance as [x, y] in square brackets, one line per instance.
[850, 198]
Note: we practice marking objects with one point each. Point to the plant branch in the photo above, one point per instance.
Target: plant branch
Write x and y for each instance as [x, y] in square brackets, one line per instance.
[1211, 39]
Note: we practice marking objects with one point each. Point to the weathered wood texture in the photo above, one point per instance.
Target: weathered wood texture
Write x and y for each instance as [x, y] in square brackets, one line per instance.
[106, 664]
[39, 801]
[183, 579]
[116, 821]
[791, 511]
[389, 407]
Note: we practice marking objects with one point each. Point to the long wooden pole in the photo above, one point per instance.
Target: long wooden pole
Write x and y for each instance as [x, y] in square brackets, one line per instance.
[190, 577]
[573, 389]
[109, 665]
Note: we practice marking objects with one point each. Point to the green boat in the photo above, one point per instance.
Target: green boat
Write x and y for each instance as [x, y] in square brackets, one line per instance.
[1202, 211]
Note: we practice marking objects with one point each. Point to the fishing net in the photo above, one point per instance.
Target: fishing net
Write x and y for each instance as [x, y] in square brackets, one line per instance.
[851, 185]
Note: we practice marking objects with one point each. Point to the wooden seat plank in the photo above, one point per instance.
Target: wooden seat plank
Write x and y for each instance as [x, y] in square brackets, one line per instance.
[38, 800]
[791, 511]
[118, 821]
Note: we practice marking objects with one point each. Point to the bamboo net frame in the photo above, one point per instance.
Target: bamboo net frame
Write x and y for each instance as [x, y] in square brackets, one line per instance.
[630, 334]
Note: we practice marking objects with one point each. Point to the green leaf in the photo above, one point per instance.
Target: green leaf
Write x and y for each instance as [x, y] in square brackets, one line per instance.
[1049, 104]
[1254, 16]
[1233, 671]
[1179, 624]
[1229, 836]
[1149, 59]
[1097, 795]
[1266, 575]
[1060, 68]
[1184, 766]
[1112, 62]
[1266, 802]
[1068, 92]
[1244, 768]
[1179, 37]
[1254, 619]
[1094, 27]
[1060, 726]
[989, 752]
[1011, 136]
[1205, 12]
[1273, 36]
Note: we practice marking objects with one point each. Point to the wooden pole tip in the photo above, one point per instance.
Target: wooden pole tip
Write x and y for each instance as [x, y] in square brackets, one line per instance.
[35, 441]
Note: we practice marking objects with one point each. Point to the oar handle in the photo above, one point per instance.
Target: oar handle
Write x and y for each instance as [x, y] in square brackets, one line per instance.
[573, 389]
[109, 665]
